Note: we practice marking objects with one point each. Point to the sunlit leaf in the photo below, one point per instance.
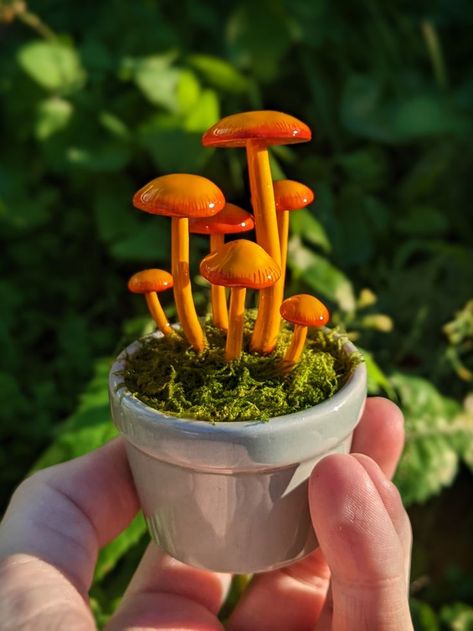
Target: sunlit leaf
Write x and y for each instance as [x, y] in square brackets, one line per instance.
[54, 65]
[219, 73]
[53, 115]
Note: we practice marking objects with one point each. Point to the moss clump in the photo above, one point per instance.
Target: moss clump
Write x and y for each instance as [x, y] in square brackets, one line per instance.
[171, 377]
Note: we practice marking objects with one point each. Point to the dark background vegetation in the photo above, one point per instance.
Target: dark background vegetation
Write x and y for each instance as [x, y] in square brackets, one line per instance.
[98, 98]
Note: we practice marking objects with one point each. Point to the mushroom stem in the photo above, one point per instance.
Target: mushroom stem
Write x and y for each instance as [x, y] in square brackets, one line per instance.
[218, 293]
[182, 284]
[295, 348]
[283, 229]
[236, 321]
[267, 323]
[157, 312]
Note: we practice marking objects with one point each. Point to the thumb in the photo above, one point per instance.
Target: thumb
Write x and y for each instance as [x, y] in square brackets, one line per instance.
[363, 531]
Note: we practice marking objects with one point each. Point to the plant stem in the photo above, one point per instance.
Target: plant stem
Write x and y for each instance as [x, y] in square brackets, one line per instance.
[36, 23]
[236, 321]
[218, 292]
[435, 52]
[182, 284]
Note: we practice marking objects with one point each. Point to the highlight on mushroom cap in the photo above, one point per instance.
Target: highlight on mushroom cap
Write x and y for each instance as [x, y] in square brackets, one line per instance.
[305, 310]
[149, 280]
[230, 220]
[270, 127]
[240, 263]
[291, 195]
[180, 195]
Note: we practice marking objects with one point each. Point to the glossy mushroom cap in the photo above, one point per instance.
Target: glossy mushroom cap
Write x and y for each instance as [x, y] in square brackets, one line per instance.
[291, 195]
[230, 220]
[272, 128]
[149, 280]
[305, 310]
[240, 263]
[180, 195]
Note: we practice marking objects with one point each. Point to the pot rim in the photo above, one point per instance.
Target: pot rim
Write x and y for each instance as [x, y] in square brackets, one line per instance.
[234, 429]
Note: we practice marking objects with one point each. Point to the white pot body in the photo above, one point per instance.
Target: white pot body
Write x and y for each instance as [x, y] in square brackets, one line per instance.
[232, 497]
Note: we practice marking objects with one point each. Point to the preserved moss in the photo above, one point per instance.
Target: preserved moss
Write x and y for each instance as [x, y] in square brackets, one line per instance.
[168, 375]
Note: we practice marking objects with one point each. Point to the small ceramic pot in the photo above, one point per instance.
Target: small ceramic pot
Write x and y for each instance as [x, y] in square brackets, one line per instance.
[232, 497]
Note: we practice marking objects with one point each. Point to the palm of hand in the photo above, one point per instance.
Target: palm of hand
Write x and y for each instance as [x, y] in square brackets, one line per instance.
[58, 520]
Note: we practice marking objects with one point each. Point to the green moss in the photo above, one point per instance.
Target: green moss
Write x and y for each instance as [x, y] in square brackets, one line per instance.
[171, 377]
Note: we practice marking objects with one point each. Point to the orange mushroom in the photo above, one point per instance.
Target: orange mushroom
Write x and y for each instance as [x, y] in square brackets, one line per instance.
[230, 220]
[150, 282]
[303, 311]
[257, 131]
[240, 264]
[181, 196]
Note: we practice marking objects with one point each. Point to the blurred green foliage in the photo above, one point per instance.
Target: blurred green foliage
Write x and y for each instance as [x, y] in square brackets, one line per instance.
[98, 98]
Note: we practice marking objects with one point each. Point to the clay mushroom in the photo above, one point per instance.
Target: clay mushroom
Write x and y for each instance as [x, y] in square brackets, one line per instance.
[181, 196]
[240, 264]
[257, 131]
[230, 220]
[150, 282]
[303, 311]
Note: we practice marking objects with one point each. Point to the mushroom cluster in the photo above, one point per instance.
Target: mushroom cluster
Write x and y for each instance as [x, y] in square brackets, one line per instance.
[197, 206]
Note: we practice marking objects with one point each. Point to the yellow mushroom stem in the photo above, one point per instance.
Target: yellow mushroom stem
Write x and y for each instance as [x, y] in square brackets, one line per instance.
[157, 313]
[267, 323]
[283, 229]
[182, 284]
[235, 325]
[295, 348]
[218, 293]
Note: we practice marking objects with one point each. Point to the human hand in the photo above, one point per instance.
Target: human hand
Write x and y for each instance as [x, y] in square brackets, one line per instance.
[60, 517]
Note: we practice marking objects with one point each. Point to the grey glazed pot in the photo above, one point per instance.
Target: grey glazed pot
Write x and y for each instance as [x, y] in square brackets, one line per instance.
[232, 497]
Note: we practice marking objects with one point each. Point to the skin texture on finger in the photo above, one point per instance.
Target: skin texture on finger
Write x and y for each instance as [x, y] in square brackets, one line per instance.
[198, 594]
[361, 546]
[380, 435]
[60, 517]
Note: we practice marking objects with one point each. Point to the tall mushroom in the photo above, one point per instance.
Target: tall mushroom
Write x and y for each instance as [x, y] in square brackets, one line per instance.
[181, 196]
[303, 311]
[257, 131]
[150, 282]
[240, 264]
[230, 220]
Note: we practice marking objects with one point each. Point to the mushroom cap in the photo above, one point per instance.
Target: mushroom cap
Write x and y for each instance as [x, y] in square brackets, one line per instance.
[240, 263]
[291, 195]
[230, 220]
[271, 128]
[149, 280]
[305, 310]
[180, 195]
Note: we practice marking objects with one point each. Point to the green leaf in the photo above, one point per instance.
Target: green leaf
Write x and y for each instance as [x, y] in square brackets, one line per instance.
[436, 432]
[307, 227]
[114, 551]
[219, 73]
[204, 114]
[88, 428]
[149, 242]
[458, 617]
[377, 380]
[53, 115]
[423, 616]
[320, 275]
[54, 65]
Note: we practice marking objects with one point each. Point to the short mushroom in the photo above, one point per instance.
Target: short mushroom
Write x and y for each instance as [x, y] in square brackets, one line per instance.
[257, 131]
[181, 196]
[240, 264]
[303, 311]
[230, 220]
[150, 282]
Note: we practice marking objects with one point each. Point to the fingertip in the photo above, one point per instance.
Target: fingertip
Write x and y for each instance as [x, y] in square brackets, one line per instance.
[380, 433]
